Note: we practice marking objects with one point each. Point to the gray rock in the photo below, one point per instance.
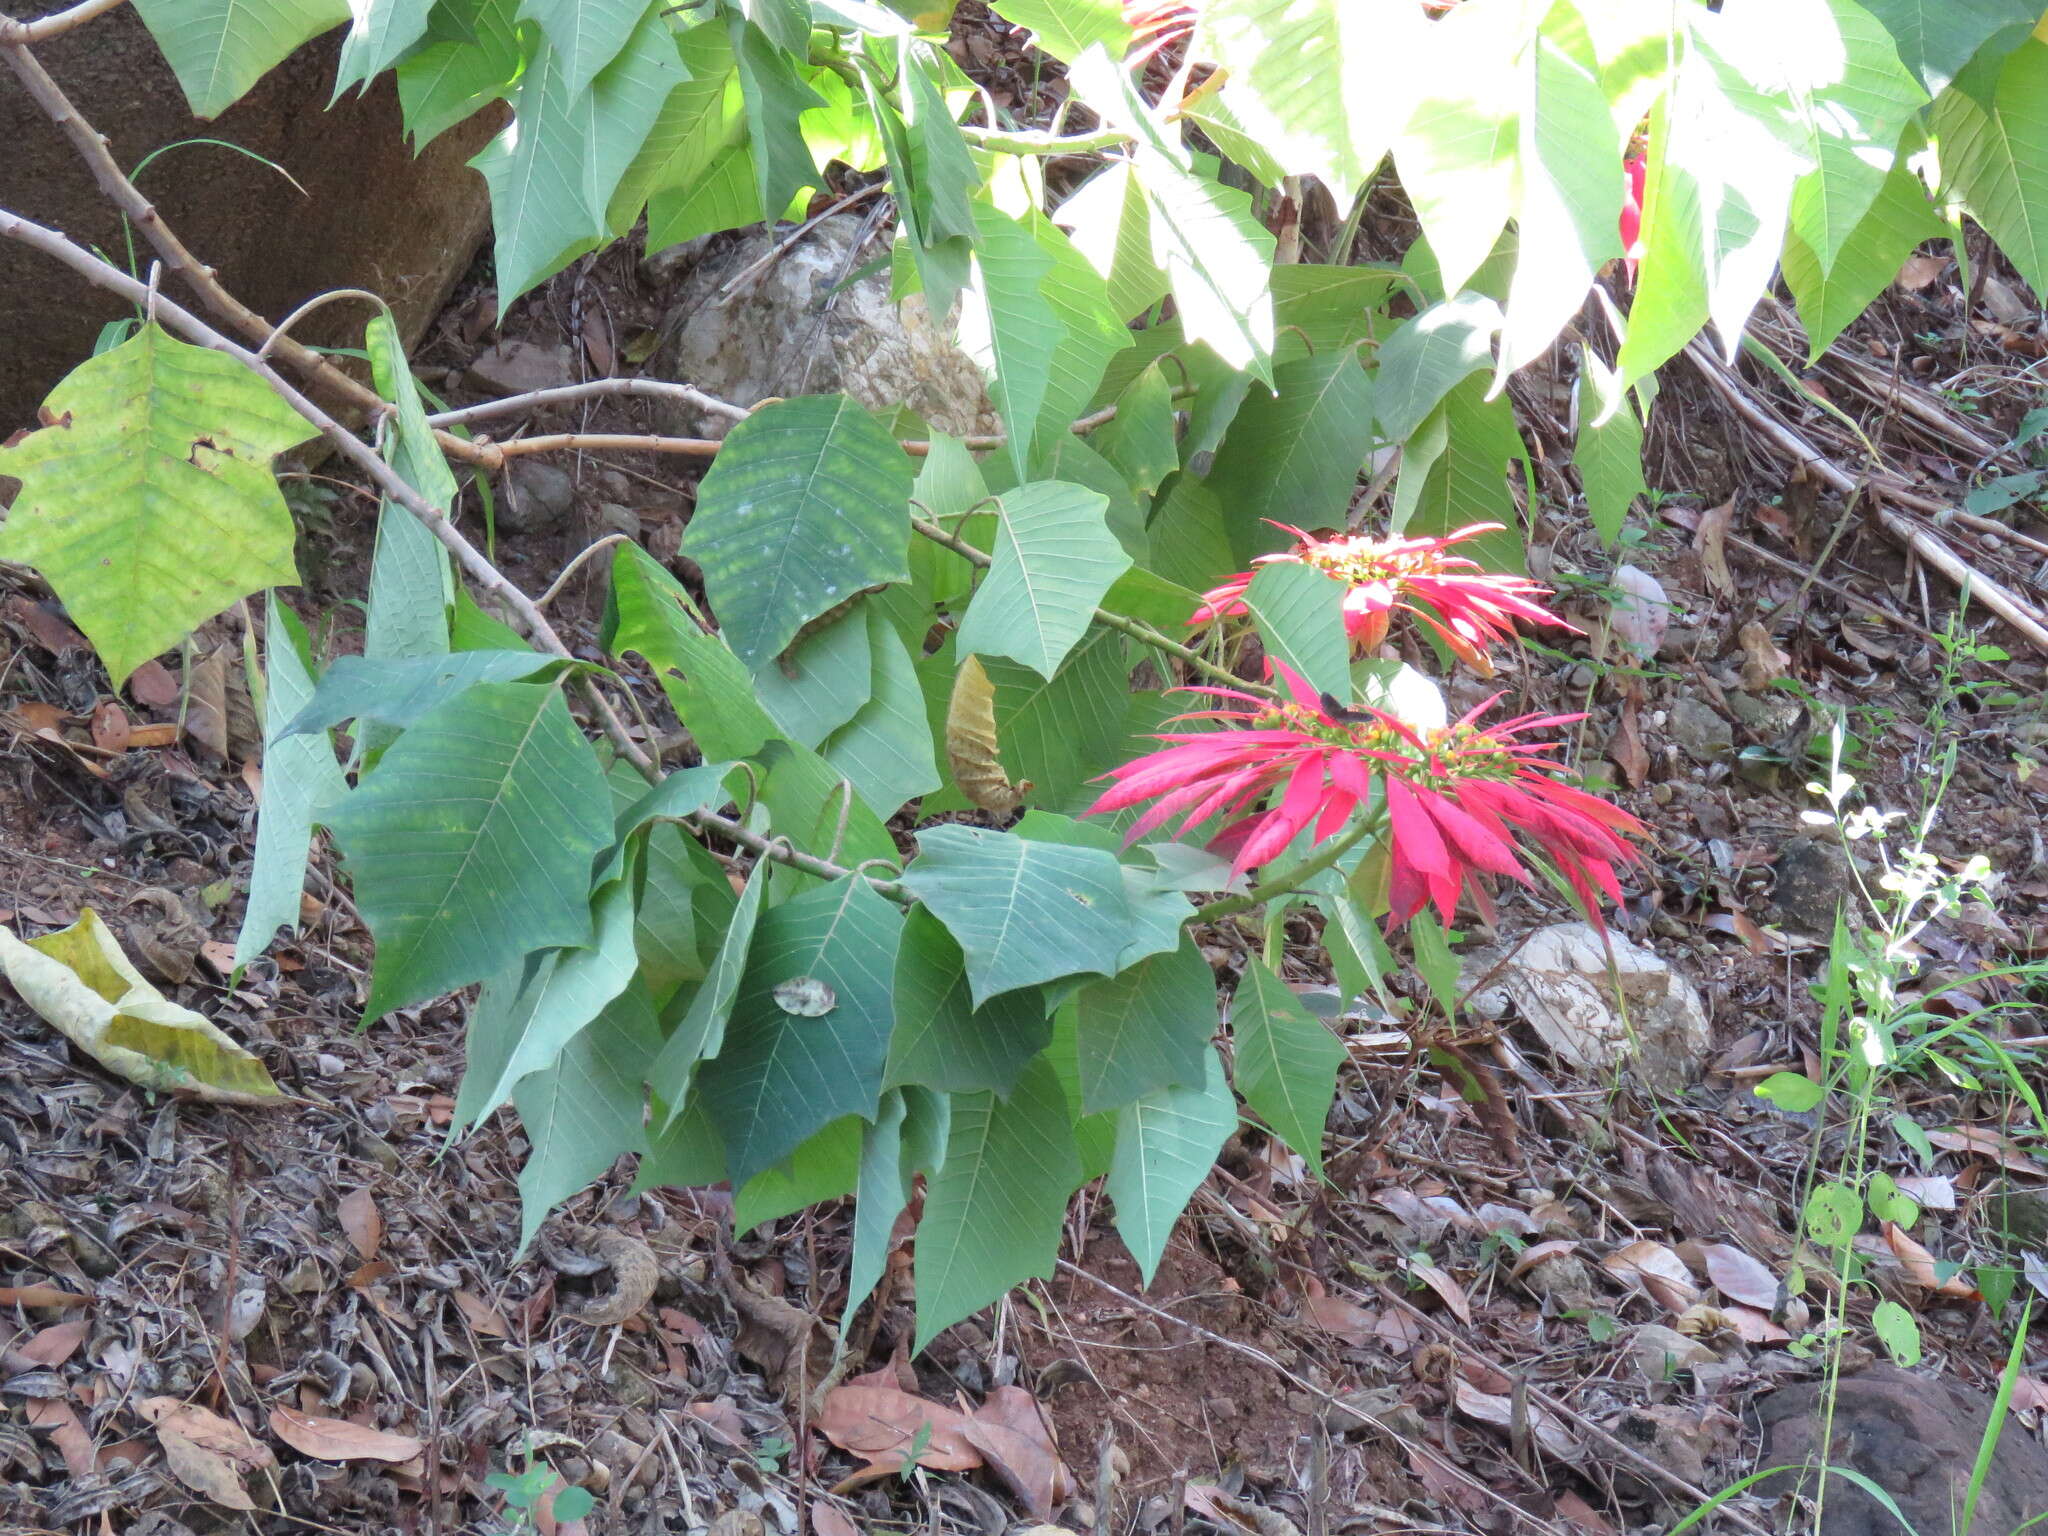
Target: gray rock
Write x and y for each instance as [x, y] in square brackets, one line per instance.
[1766, 715]
[516, 367]
[615, 518]
[786, 332]
[2021, 1214]
[535, 497]
[1558, 982]
[1812, 881]
[1700, 731]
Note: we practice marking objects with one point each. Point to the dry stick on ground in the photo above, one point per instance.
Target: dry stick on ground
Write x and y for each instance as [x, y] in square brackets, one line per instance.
[567, 394]
[105, 275]
[1789, 442]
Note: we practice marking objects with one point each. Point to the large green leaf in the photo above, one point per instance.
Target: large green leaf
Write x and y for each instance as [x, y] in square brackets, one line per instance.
[942, 1040]
[1139, 440]
[472, 841]
[1092, 333]
[1422, 361]
[1293, 456]
[1146, 1028]
[1851, 99]
[781, 1076]
[1309, 82]
[686, 903]
[1936, 38]
[1058, 734]
[1024, 911]
[701, 118]
[397, 693]
[1868, 262]
[776, 99]
[412, 585]
[723, 197]
[585, 34]
[824, 1167]
[701, 1030]
[704, 681]
[1992, 125]
[1300, 614]
[1216, 255]
[1068, 28]
[1568, 201]
[220, 48]
[1460, 476]
[300, 780]
[447, 81]
[1166, 1143]
[994, 1208]
[1010, 325]
[380, 31]
[885, 750]
[585, 1110]
[1110, 224]
[553, 170]
[1054, 560]
[149, 505]
[1609, 451]
[882, 1191]
[808, 502]
[821, 682]
[1287, 1061]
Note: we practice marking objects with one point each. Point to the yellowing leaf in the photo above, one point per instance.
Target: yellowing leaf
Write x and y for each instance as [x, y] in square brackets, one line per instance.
[149, 503]
[86, 989]
[971, 746]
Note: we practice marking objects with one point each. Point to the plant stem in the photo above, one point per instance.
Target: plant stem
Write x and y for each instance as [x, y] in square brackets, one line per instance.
[1288, 880]
[1045, 143]
[1138, 630]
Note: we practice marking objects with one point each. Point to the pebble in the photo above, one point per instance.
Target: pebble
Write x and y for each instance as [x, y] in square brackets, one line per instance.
[537, 499]
[517, 367]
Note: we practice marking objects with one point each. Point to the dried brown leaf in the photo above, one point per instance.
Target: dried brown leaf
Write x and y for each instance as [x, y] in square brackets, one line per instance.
[111, 726]
[206, 705]
[40, 1296]
[1919, 1266]
[55, 1344]
[1538, 1253]
[1754, 1327]
[205, 1471]
[1625, 747]
[1491, 1408]
[828, 1519]
[1658, 1270]
[1710, 543]
[1989, 1144]
[1762, 662]
[67, 1432]
[1451, 1293]
[1346, 1319]
[1738, 1276]
[480, 1316]
[362, 1221]
[326, 1439]
[878, 1424]
[207, 1429]
[1918, 271]
[971, 746]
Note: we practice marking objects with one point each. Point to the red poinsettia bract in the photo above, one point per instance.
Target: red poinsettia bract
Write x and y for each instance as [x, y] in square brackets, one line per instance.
[1462, 802]
[1637, 171]
[1468, 607]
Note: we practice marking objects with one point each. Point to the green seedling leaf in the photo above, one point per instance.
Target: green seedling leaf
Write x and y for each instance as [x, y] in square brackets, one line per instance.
[150, 505]
[1897, 1331]
[1287, 1062]
[1792, 1092]
[1890, 1203]
[1834, 1214]
[83, 986]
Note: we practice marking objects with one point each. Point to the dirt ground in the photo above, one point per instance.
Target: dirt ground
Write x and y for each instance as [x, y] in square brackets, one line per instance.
[1445, 1337]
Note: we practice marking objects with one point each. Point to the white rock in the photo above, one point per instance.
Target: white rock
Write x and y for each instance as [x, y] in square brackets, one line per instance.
[1558, 983]
[1642, 613]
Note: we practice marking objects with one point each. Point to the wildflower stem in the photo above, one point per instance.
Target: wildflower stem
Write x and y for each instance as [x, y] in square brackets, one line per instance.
[1137, 629]
[1288, 880]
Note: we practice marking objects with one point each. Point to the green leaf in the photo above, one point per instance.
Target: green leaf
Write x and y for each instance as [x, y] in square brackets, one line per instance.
[1426, 358]
[1299, 611]
[1309, 80]
[685, 901]
[1793, 1092]
[942, 1040]
[1068, 28]
[685, 792]
[218, 49]
[564, 997]
[1110, 224]
[1190, 543]
[1139, 439]
[1166, 1143]
[1435, 961]
[723, 197]
[701, 118]
[1058, 734]
[805, 802]
[1464, 480]
[1851, 99]
[1569, 200]
[776, 100]
[1833, 1215]
[1092, 333]
[381, 31]
[710, 690]
[300, 780]
[398, 693]
[1054, 561]
[700, 1033]
[1890, 1203]
[1897, 1331]
[825, 1167]
[1936, 38]
[807, 503]
[994, 1208]
[821, 682]
[1293, 456]
[584, 1111]
[586, 34]
[446, 82]
[472, 841]
[1146, 1028]
[1023, 911]
[885, 750]
[412, 583]
[553, 170]
[1216, 254]
[779, 1076]
[785, 23]
[1992, 125]
[949, 485]
[1287, 1062]
[1609, 451]
[1011, 323]
[150, 505]
[879, 1199]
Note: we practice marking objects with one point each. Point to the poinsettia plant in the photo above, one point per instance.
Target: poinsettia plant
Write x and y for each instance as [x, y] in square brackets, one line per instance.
[912, 893]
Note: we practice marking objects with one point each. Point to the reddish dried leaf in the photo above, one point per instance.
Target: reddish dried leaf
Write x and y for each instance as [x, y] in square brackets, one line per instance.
[1398, 1331]
[44, 627]
[878, 1424]
[1014, 1435]
[1572, 1508]
[40, 1295]
[1918, 271]
[206, 1429]
[721, 1416]
[151, 684]
[44, 719]
[1658, 1270]
[1490, 1408]
[326, 1439]
[1625, 747]
[157, 733]
[1754, 1327]
[2029, 1392]
[67, 1433]
[1919, 1267]
[1989, 1144]
[204, 1470]
[480, 1316]
[111, 727]
[828, 1519]
[1738, 1276]
[55, 1344]
[1346, 1319]
[1451, 1293]
[1538, 1253]
[362, 1222]
[1710, 543]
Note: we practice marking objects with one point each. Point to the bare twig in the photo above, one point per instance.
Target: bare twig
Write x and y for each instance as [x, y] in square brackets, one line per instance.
[493, 455]
[43, 28]
[583, 558]
[283, 327]
[566, 394]
[732, 286]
